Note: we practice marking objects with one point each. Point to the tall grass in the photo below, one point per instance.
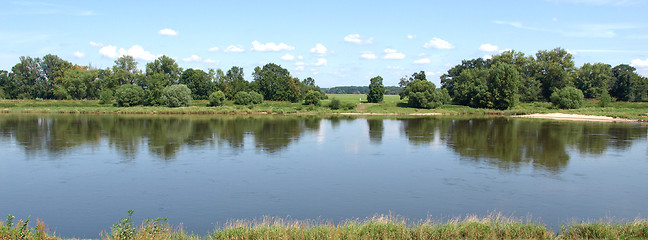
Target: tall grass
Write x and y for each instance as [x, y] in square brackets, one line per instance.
[494, 226]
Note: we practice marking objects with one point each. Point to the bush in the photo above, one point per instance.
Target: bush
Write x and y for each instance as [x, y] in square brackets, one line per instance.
[312, 98]
[129, 95]
[177, 95]
[60, 93]
[217, 98]
[256, 97]
[106, 97]
[567, 98]
[335, 104]
[2, 94]
[605, 99]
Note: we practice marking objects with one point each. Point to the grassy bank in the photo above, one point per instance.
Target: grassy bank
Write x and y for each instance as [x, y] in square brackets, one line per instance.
[356, 103]
[381, 227]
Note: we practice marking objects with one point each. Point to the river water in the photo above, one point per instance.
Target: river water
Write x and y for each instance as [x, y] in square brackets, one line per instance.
[81, 173]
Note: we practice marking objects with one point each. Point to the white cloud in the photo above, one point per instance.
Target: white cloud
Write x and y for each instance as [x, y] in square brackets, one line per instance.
[300, 57]
[393, 54]
[355, 38]
[319, 49]
[78, 54]
[193, 58]
[368, 55]
[299, 66]
[422, 61]
[488, 48]
[232, 48]
[213, 49]
[438, 44]
[211, 61]
[270, 47]
[136, 51]
[168, 32]
[639, 63]
[96, 44]
[321, 62]
[410, 36]
[288, 57]
[487, 57]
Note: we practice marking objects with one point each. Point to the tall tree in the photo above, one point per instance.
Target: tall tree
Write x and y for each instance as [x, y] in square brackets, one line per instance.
[29, 78]
[529, 87]
[503, 81]
[276, 84]
[447, 79]
[234, 82]
[124, 72]
[554, 70]
[166, 66]
[470, 88]
[376, 90]
[198, 82]
[594, 79]
[629, 86]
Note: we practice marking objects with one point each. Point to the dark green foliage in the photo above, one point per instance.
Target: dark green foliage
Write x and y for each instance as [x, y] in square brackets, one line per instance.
[198, 82]
[567, 98]
[312, 98]
[2, 94]
[177, 95]
[233, 82]
[124, 229]
[129, 95]
[594, 79]
[60, 93]
[276, 84]
[106, 96]
[167, 67]
[554, 70]
[217, 98]
[124, 72]
[605, 99]
[448, 79]
[503, 81]
[335, 104]
[376, 90]
[629, 86]
[248, 98]
[422, 93]
[470, 88]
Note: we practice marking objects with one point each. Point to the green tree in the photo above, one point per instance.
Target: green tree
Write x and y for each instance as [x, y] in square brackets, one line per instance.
[503, 83]
[448, 79]
[423, 94]
[234, 82]
[128, 95]
[28, 79]
[198, 81]
[629, 86]
[166, 66]
[376, 90]
[470, 88]
[106, 96]
[529, 87]
[177, 95]
[594, 79]
[567, 98]
[554, 70]
[312, 98]
[275, 83]
[123, 72]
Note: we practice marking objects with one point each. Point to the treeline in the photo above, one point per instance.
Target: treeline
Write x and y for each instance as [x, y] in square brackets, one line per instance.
[389, 90]
[162, 83]
[511, 77]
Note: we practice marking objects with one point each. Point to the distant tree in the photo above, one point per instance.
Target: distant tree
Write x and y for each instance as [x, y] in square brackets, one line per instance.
[423, 94]
[247, 98]
[529, 87]
[594, 79]
[198, 82]
[167, 67]
[554, 70]
[106, 96]
[447, 79]
[312, 98]
[275, 83]
[376, 90]
[335, 104]
[28, 79]
[79, 83]
[176, 95]
[503, 83]
[233, 82]
[567, 98]
[629, 86]
[470, 88]
[124, 72]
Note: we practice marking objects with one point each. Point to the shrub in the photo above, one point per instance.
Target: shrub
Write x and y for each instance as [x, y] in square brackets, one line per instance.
[255, 97]
[335, 104]
[605, 99]
[60, 93]
[312, 98]
[106, 96]
[177, 95]
[217, 98]
[2, 94]
[567, 98]
[129, 95]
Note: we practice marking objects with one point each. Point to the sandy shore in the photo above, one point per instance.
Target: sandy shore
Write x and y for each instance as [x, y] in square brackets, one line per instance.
[390, 114]
[575, 117]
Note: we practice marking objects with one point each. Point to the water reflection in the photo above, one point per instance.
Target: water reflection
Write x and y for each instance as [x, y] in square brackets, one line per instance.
[505, 143]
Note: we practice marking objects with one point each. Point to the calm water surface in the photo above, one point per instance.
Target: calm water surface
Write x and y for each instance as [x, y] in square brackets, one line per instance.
[80, 174]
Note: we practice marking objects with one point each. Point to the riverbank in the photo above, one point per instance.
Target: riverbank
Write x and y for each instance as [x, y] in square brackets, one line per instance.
[494, 226]
[356, 106]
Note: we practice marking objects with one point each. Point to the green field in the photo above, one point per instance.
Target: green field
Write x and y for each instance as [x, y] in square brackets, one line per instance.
[392, 104]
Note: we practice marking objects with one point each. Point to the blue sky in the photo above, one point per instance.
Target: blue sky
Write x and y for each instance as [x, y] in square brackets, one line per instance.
[335, 42]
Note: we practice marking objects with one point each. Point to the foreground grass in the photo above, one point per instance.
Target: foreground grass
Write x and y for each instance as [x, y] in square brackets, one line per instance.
[391, 105]
[495, 226]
